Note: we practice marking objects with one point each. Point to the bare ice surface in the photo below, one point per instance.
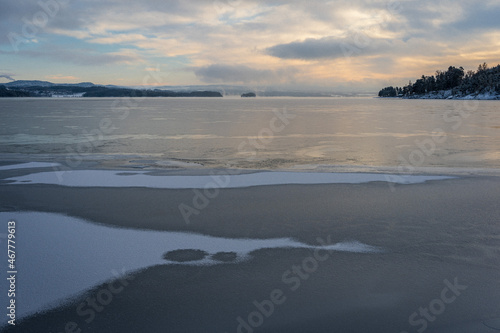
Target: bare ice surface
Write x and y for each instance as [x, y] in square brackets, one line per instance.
[210, 132]
[58, 256]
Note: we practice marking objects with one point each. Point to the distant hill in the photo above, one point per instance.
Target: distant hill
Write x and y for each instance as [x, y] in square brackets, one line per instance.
[37, 83]
[37, 88]
[81, 84]
[28, 83]
[101, 91]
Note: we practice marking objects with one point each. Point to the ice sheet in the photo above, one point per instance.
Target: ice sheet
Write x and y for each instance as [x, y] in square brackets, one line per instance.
[59, 256]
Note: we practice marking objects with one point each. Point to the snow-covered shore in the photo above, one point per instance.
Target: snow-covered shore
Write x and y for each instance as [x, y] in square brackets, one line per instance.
[448, 94]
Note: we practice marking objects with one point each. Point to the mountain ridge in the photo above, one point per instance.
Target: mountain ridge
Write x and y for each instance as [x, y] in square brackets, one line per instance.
[39, 83]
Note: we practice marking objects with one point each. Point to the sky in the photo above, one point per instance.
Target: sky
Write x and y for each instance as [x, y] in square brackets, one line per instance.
[346, 45]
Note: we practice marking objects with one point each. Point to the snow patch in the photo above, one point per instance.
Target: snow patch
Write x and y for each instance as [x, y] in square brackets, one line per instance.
[60, 256]
[28, 165]
[107, 178]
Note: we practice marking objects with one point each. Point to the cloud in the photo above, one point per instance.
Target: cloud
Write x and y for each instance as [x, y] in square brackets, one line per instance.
[477, 18]
[7, 76]
[241, 74]
[328, 48]
[61, 77]
[83, 57]
[29, 19]
[254, 41]
[122, 38]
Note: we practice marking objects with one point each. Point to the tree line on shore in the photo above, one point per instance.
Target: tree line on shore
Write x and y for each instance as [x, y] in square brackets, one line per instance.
[484, 80]
[4, 92]
[98, 91]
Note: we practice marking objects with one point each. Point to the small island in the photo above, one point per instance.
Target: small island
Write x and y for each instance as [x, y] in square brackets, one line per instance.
[453, 83]
[250, 94]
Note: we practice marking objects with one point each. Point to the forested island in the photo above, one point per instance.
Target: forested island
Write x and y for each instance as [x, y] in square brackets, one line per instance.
[4, 92]
[125, 92]
[47, 89]
[453, 83]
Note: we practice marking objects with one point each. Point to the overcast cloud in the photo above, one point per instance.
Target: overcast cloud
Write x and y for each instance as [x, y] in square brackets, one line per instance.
[336, 43]
[242, 74]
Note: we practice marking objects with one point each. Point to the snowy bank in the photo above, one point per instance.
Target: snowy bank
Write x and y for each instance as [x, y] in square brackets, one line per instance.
[449, 94]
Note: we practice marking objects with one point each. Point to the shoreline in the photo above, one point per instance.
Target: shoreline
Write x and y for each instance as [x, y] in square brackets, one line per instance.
[449, 95]
[159, 166]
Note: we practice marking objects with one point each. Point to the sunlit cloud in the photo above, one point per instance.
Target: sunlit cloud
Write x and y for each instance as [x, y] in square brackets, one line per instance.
[331, 43]
[118, 39]
[60, 77]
